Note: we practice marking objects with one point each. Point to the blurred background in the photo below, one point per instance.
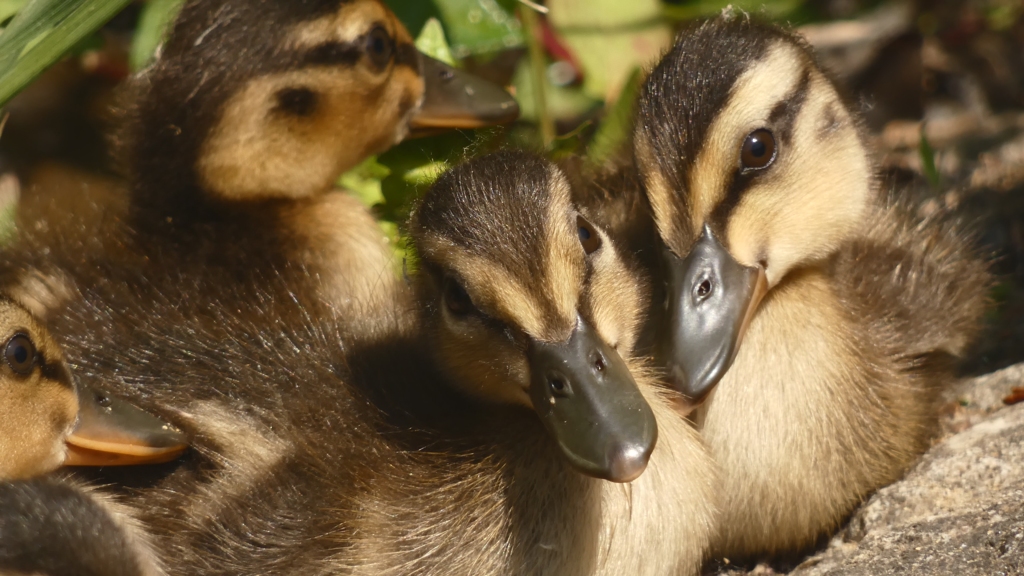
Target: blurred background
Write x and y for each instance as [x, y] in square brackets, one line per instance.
[940, 84]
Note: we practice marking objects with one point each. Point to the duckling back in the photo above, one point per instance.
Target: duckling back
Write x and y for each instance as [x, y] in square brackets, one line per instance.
[924, 279]
[313, 455]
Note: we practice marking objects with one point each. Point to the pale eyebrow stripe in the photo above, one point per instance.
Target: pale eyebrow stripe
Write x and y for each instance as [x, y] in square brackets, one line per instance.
[767, 80]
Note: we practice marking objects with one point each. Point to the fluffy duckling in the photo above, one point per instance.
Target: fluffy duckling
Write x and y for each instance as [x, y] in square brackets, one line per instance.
[54, 528]
[46, 423]
[779, 236]
[454, 446]
[234, 138]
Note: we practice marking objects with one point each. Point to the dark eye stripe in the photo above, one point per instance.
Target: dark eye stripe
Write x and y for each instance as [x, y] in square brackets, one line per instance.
[780, 121]
[349, 53]
[407, 55]
[333, 53]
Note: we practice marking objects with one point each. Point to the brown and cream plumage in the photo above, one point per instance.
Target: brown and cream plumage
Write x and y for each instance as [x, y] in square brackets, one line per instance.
[818, 317]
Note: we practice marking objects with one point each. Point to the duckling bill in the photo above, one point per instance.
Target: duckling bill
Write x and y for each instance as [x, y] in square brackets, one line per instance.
[588, 401]
[711, 301]
[113, 432]
[455, 99]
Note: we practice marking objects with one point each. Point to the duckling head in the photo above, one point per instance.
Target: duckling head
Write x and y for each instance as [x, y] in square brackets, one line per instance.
[753, 166]
[38, 397]
[523, 306]
[47, 422]
[274, 100]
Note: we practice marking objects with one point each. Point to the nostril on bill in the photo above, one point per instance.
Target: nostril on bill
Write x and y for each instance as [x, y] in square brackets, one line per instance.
[559, 385]
[597, 359]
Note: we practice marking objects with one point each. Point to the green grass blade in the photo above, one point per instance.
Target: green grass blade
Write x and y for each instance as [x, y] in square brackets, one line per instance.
[931, 173]
[42, 32]
[156, 17]
[9, 8]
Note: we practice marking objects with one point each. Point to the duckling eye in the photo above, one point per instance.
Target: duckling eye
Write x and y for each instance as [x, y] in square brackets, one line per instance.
[20, 354]
[456, 299]
[758, 150]
[379, 47]
[588, 236]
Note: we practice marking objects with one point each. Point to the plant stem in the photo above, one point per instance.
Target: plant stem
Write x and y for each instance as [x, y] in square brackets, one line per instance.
[537, 68]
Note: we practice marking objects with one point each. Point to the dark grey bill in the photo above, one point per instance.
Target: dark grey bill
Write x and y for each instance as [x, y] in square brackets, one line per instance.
[591, 406]
[711, 298]
[456, 99]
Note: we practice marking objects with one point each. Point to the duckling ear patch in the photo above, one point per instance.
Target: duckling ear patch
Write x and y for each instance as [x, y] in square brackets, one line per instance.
[298, 101]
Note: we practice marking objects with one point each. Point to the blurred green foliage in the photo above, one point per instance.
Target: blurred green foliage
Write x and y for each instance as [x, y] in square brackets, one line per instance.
[42, 32]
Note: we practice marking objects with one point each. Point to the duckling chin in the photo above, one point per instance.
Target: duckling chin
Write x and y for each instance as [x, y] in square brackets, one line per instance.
[317, 450]
[815, 315]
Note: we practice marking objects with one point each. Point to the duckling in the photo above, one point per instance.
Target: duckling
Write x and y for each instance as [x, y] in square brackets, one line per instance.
[448, 439]
[234, 138]
[46, 423]
[779, 236]
[55, 528]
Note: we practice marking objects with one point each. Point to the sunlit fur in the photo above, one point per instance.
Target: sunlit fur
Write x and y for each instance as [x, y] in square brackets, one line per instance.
[833, 391]
[37, 410]
[253, 148]
[211, 148]
[224, 177]
[53, 526]
[322, 448]
[504, 227]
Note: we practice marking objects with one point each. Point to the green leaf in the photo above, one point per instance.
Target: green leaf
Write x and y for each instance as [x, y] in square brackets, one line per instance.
[42, 32]
[413, 13]
[156, 18]
[9, 8]
[426, 174]
[432, 42]
[414, 165]
[924, 148]
[479, 26]
[363, 181]
[776, 9]
[562, 102]
[9, 193]
[610, 38]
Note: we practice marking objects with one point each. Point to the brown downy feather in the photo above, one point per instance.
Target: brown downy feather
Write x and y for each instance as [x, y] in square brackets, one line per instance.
[323, 447]
[832, 393]
[54, 527]
[924, 277]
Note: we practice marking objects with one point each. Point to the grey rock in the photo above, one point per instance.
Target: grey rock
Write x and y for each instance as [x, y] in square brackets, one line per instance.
[973, 400]
[959, 511]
